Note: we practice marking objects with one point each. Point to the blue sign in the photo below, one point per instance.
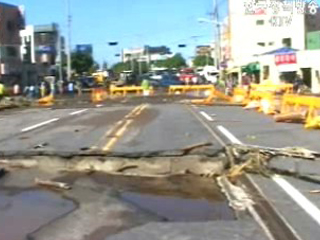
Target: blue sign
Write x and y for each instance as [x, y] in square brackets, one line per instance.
[84, 48]
[45, 49]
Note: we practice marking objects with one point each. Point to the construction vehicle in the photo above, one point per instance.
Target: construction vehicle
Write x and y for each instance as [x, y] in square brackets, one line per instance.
[99, 78]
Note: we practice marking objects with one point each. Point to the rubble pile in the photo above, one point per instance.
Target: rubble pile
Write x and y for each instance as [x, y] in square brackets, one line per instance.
[14, 102]
[257, 160]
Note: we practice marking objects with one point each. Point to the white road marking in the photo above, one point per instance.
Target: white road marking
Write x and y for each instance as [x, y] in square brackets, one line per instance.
[298, 197]
[295, 194]
[78, 112]
[39, 125]
[229, 135]
[206, 116]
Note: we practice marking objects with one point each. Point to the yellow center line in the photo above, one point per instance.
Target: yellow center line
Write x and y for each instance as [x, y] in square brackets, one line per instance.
[115, 126]
[119, 133]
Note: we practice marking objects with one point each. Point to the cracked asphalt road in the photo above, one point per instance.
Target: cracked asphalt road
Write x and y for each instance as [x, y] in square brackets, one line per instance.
[158, 126]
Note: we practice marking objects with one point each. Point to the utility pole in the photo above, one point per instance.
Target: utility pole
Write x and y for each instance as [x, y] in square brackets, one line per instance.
[218, 30]
[60, 54]
[69, 19]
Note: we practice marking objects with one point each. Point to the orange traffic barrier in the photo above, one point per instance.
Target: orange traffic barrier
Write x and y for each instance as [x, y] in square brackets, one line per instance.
[123, 91]
[298, 103]
[189, 88]
[215, 94]
[264, 101]
[240, 95]
[98, 95]
[46, 101]
[286, 88]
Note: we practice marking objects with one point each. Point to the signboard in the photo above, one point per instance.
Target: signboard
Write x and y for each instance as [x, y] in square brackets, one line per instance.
[85, 48]
[45, 49]
[287, 58]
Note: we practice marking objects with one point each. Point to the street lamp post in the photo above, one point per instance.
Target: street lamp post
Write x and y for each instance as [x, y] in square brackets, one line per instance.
[217, 25]
[69, 19]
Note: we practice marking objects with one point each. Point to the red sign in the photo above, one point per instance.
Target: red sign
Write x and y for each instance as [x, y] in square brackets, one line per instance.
[289, 58]
[260, 11]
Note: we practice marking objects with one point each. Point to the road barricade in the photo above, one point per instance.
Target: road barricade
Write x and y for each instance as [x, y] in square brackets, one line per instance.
[277, 88]
[46, 101]
[213, 97]
[240, 95]
[264, 102]
[123, 91]
[266, 98]
[181, 89]
[98, 95]
[307, 105]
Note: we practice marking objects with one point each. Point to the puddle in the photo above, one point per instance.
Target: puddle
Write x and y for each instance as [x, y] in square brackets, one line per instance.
[175, 209]
[22, 212]
[182, 198]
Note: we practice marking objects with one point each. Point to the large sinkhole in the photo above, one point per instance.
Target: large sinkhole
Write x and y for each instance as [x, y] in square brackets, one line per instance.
[174, 198]
[107, 195]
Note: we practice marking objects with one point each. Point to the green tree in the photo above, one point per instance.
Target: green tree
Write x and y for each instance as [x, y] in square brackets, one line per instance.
[121, 66]
[81, 62]
[127, 66]
[201, 61]
[177, 61]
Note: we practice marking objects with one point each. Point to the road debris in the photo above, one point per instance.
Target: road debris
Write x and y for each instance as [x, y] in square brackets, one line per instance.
[19, 164]
[295, 117]
[315, 192]
[41, 145]
[52, 184]
[256, 159]
[188, 149]
[238, 199]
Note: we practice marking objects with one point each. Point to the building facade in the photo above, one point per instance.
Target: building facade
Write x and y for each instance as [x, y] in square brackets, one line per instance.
[204, 50]
[263, 26]
[12, 21]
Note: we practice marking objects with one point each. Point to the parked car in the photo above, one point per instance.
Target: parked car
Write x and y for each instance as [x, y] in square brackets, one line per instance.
[169, 80]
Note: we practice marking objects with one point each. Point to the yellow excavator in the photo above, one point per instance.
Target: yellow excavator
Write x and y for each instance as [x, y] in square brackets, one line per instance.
[99, 78]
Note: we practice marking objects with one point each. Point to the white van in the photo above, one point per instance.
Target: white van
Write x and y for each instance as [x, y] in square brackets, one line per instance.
[210, 73]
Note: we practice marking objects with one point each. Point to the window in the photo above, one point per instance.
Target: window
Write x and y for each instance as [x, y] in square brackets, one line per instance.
[12, 52]
[266, 72]
[10, 25]
[286, 42]
[260, 22]
[262, 44]
[271, 43]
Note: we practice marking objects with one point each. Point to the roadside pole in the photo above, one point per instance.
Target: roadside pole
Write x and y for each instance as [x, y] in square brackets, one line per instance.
[60, 55]
[69, 19]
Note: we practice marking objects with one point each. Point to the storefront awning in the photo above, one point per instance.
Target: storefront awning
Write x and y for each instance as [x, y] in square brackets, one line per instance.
[284, 50]
[251, 68]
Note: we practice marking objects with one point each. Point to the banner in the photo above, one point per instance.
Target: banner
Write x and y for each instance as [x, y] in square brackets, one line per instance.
[287, 58]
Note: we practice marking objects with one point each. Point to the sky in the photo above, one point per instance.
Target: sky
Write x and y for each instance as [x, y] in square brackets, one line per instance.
[132, 23]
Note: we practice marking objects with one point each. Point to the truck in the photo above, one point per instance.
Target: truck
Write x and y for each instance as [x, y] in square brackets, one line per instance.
[210, 74]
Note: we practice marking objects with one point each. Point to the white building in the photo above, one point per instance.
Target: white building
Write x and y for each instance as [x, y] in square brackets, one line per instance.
[263, 27]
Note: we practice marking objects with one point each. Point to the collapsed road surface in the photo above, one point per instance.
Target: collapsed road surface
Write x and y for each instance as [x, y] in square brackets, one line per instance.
[147, 170]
